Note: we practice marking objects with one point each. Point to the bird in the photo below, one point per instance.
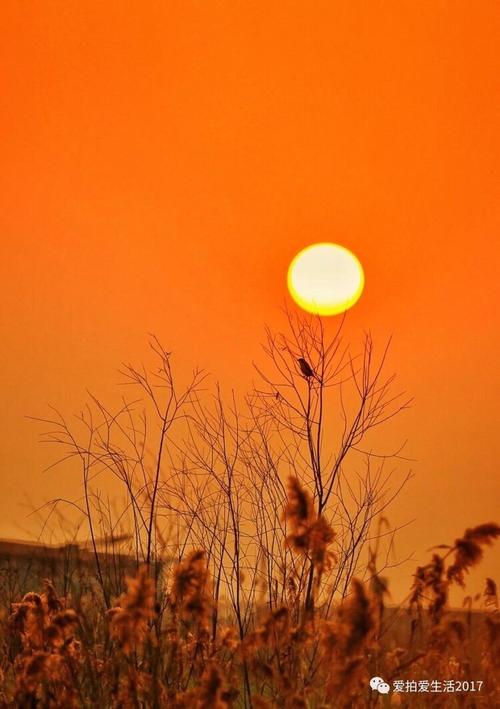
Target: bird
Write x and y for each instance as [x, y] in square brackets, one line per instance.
[305, 368]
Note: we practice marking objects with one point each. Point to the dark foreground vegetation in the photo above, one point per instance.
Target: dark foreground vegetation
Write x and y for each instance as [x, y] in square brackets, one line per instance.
[237, 549]
[162, 646]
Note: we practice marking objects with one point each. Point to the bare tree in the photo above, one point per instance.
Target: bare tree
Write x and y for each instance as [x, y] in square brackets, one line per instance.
[129, 446]
[313, 413]
[212, 474]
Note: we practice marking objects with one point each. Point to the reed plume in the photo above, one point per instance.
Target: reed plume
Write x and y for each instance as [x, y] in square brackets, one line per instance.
[129, 620]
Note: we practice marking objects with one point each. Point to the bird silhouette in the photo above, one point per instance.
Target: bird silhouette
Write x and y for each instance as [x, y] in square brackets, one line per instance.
[305, 368]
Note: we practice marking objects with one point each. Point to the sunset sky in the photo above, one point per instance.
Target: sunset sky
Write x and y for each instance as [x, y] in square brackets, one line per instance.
[162, 163]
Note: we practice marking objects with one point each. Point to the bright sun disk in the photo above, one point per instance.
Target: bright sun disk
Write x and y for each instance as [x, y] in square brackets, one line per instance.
[325, 279]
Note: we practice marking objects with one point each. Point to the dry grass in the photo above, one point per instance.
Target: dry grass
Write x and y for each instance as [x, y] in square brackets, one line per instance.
[154, 646]
[234, 589]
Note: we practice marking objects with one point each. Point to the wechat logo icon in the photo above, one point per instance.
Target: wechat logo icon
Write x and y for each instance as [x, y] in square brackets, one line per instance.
[377, 683]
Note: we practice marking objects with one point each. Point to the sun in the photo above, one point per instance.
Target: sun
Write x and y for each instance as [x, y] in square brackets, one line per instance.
[325, 279]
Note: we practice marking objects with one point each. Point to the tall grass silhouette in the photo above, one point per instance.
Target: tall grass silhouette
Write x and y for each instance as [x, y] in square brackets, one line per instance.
[241, 560]
[154, 648]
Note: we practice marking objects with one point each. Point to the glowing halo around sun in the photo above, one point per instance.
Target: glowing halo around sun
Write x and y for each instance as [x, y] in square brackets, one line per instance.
[325, 279]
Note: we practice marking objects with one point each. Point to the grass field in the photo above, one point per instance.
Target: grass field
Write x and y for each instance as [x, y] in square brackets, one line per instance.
[164, 643]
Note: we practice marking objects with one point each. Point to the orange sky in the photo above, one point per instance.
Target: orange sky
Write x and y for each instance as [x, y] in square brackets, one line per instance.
[162, 162]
